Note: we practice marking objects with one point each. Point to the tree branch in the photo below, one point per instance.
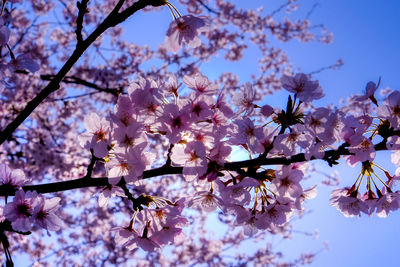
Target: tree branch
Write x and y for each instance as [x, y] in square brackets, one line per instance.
[76, 80]
[79, 81]
[82, 7]
[209, 9]
[84, 182]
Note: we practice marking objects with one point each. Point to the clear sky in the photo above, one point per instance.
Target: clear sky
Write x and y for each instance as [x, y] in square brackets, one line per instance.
[367, 39]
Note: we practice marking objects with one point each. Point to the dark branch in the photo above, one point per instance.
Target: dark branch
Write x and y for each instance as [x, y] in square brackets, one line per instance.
[84, 182]
[82, 7]
[78, 81]
[209, 9]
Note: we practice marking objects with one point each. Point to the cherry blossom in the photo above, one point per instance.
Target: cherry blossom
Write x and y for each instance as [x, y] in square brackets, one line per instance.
[109, 192]
[200, 84]
[245, 99]
[193, 157]
[97, 137]
[387, 204]
[305, 89]
[185, 30]
[391, 109]
[44, 214]
[247, 135]
[13, 178]
[20, 210]
[362, 148]
[237, 193]
[349, 204]
[206, 201]
[129, 165]
[286, 182]
[370, 90]
[174, 121]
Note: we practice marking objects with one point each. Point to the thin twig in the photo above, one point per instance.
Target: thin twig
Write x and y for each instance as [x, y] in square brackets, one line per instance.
[82, 10]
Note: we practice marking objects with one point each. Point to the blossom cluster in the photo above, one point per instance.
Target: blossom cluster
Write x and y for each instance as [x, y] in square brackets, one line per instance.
[201, 128]
[160, 226]
[28, 210]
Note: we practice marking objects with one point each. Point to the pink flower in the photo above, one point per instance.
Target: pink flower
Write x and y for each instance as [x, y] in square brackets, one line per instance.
[288, 143]
[146, 97]
[172, 85]
[185, 30]
[123, 235]
[21, 209]
[244, 100]
[44, 214]
[267, 110]
[348, 204]
[130, 165]
[168, 234]
[222, 106]
[131, 239]
[248, 134]
[320, 122]
[287, 182]
[193, 157]
[220, 152]
[275, 214]
[370, 90]
[206, 200]
[174, 121]
[145, 243]
[391, 109]
[166, 222]
[199, 109]
[107, 193]
[305, 89]
[97, 136]
[12, 178]
[362, 148]
[200, 84]
[386, 204]
[308, 193]
[237, 193]
[124, 111]
[129, 135]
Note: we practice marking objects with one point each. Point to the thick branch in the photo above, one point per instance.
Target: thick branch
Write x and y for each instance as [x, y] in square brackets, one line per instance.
[166, 170]
[85, 182]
